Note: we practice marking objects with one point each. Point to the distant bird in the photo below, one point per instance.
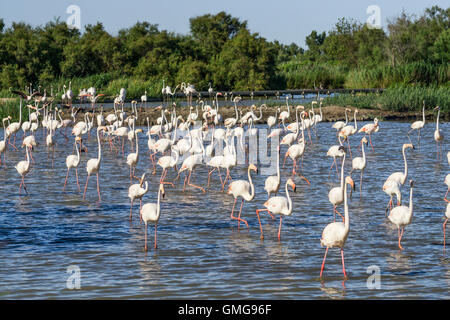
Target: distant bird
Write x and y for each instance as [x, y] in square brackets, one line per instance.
[369, 129]
[25, 96]
[438, 135]
[73, 161]
[359, 163]
[151, 212]
[23, 167]
[341, 124]
[335, 234]
[402, 216]
[418, 125]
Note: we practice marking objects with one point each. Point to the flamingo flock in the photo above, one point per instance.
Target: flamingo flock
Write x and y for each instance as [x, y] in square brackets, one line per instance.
[174, 145]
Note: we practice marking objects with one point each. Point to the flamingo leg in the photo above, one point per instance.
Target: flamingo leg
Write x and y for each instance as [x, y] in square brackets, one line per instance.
[443, 227]
[209, 175]
[323, 262]
[76, 173]
[156, 227]
[335, 210]
[400, 235]
[343, 263]
[65, 181]
[232, 211]
[145, 246]
[370, 140]
[279, 228]
[193, 185]
[260, 227]
[131, 209]
[85, 188]
[98, 190]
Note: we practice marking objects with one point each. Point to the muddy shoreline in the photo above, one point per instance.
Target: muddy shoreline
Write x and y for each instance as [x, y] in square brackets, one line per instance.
[329, 114]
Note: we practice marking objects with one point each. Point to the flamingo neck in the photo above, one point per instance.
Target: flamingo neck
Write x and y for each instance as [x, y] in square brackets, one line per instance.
[411, 202]
[252, 187]
[342, 173]
[406, 166]
[346, 215]
[289, 199]
[437, 119]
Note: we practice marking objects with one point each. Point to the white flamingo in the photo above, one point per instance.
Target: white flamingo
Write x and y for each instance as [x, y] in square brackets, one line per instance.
[151, 212]
[402, 216]
[335, 234]
[243, 189]
[278, 205]
[136, 191]
[73, 161]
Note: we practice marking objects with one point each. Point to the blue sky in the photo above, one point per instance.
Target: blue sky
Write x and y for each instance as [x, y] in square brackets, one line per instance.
[284, 20]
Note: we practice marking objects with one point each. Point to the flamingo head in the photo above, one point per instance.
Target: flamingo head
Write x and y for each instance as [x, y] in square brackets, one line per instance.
[350, 181]
[364, 140]
[253, 167]
[292, 184]
[161, 189]
[411, 183]
[408, 145]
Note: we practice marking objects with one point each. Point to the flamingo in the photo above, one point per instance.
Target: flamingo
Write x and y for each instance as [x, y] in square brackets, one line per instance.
[349, 130]
[336, 195]
[73, 161]
[447, 216]
[93, 165]
[133, 158]
[3, 143]
[229, 160]
[230, 122]
[243, 189]
[335, 234]
[272, 120]
[369, 129]
[144, 99]
[335, 152]
[438, 135]
[190, 163]
[272, 183]
[14, 127]
[278, 205]
[447, 182]
[285, 114]
[167, 162]
[339, 125]
[418, 125]
[23, 167]
[402, 216]
[395, 180]
[136, 191]
[359, 163]
[25, 96]
[151, 212]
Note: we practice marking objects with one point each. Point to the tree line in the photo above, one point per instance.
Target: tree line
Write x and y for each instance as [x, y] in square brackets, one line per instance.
[221, 50]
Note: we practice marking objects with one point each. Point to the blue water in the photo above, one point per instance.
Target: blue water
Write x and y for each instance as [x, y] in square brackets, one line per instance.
[201, 253]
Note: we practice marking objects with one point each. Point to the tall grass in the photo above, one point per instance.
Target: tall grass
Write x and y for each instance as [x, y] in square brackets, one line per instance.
[421, 73]
[307, 75]
[11, 107]
[399, 98]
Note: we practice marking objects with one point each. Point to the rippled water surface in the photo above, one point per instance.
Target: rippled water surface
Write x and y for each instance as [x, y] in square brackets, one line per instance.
[201, 253]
